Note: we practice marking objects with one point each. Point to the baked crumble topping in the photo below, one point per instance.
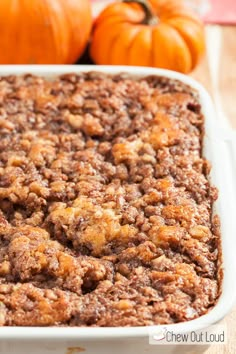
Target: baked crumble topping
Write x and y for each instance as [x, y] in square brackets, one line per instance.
[105, 202]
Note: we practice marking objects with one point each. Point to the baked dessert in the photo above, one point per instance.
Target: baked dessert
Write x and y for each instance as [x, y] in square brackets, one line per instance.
[105, 203]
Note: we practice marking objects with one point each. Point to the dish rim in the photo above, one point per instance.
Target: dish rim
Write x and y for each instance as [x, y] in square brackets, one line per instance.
[216, 149]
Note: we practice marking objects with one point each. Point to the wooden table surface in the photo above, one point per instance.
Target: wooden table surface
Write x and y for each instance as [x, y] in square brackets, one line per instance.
[217, 72]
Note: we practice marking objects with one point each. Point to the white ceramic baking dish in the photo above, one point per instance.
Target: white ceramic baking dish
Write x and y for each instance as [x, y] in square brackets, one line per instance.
[219, 149]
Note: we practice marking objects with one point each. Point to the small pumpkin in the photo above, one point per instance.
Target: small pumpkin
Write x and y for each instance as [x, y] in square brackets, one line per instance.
[159, 33]
[43, 31]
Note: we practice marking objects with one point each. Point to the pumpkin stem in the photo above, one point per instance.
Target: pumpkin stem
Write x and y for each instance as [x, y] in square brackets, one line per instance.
[150, 18]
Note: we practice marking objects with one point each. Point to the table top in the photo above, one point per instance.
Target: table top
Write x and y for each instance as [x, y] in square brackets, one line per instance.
[217, 72]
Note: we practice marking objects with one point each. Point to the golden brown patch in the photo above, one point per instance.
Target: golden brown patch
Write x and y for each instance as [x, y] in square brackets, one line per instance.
[74, 350]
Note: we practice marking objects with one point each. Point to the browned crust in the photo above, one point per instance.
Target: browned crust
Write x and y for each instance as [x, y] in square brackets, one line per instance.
[105, 203]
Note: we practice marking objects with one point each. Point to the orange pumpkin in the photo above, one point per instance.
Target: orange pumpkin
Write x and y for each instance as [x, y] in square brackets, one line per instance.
[43, 31]
[159, 33]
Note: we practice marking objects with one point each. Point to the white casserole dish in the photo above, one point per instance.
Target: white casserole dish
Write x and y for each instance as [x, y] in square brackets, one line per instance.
[218, 148]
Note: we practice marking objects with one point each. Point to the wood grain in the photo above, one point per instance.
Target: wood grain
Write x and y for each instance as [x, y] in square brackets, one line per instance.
[202, 74]
[227, 73]
[217, 72]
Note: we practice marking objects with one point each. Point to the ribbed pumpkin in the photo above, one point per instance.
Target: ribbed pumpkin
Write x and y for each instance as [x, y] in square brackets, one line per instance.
[43, 31]
[159, 33]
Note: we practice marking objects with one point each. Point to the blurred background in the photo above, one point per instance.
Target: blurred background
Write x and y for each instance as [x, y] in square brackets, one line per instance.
[212, 11]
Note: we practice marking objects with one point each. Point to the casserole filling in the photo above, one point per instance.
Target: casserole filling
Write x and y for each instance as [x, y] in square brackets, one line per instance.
[105, 203]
